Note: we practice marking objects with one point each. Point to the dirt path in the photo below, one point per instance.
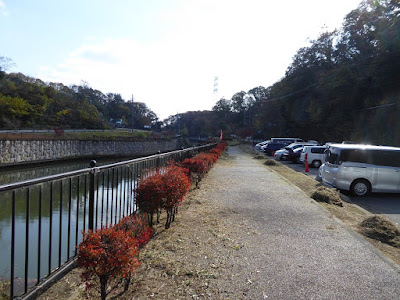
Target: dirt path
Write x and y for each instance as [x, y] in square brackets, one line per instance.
[249, 234]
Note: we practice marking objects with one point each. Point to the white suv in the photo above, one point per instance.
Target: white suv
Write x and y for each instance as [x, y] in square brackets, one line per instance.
[314, 155]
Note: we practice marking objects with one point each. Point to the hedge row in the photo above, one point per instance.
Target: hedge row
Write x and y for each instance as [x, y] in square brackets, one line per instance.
[112, 252]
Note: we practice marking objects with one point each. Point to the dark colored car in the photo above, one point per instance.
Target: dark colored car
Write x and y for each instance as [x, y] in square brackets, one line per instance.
[271, 147]
[293, 155]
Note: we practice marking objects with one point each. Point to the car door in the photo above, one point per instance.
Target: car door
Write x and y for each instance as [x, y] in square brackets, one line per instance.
[387, 168]
[331, 166]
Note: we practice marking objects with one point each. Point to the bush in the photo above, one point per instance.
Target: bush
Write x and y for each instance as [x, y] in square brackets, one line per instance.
[196, 167]
[208, 158]
[216, 151]
[137, 226]
[107, 253]
[176, 185]
[164, 189]
[149, 195]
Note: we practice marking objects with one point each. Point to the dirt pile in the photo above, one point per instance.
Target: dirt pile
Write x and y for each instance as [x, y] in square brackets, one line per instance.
[327, 195]
[271, 162]
[381, 229]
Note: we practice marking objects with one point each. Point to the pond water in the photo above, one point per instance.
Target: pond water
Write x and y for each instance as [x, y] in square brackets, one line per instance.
[67, 218]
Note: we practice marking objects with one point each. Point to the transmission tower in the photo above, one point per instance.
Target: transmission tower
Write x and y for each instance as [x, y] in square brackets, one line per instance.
[216, 87]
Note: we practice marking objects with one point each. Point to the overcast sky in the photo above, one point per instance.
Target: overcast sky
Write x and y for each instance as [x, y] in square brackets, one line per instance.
[165, 53]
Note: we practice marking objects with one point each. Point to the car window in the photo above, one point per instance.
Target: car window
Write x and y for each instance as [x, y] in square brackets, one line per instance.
[318, 150]
[385, 158]
[332, 156]
[353, 155]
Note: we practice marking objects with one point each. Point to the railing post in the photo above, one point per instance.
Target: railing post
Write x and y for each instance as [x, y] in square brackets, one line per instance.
[158, 159]
[92, 164]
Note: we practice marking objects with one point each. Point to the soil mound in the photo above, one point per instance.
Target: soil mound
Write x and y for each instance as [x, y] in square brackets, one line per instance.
[327, 195]
[381, 229]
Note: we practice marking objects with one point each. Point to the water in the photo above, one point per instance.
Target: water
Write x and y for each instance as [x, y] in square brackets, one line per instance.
[113, 199]
[10, 175]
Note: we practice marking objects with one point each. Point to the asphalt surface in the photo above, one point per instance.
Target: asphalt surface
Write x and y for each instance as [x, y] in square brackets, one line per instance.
[376, 203]
[298, 250]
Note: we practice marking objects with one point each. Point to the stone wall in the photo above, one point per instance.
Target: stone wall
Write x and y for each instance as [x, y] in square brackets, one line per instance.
[27, 151]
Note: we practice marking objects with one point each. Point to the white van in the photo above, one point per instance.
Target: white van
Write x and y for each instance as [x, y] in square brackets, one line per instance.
[362, 168]
[315, 155]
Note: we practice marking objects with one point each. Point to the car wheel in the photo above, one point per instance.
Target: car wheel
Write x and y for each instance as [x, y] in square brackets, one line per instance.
[316, 163]
[360, 187]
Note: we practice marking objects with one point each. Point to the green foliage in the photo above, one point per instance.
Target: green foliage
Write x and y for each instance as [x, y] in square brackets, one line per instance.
[52, 105]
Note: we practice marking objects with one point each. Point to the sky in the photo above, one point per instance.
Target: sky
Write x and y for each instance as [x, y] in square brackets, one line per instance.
[165, 53]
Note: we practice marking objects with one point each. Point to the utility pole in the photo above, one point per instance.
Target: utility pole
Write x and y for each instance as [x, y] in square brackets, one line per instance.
[133, 109]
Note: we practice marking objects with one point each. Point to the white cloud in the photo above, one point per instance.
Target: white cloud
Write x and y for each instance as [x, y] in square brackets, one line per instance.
[3, 8]
[246, 44]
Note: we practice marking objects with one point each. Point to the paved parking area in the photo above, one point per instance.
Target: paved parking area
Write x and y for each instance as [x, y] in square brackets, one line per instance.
[385, 204]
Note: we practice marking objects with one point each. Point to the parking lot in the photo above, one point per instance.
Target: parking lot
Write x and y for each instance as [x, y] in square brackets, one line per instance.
[386, 204]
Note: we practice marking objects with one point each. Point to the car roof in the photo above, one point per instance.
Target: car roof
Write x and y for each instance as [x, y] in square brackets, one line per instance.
[363, 147]
[315, 146]
[302, 143]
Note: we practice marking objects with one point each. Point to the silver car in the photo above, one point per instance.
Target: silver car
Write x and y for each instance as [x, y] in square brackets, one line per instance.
[362, 169]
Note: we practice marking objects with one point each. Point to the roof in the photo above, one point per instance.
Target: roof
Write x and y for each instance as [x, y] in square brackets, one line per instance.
[364, 147]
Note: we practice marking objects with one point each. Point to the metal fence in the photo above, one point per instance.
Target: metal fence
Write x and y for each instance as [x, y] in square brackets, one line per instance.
[43, 218]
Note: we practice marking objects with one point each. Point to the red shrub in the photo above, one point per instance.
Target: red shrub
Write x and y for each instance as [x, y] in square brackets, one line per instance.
[221, 146]
[137, 226]
[149, 194]
[176, 186]
[195, 166]
[208, 158]
[216, 151]
[107, 253]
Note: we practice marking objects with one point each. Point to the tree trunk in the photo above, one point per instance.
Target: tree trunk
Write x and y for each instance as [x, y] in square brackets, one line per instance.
[103, 286]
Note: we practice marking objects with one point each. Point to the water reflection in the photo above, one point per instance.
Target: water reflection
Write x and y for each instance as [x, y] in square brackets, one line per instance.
[10, 175]
[60, 210]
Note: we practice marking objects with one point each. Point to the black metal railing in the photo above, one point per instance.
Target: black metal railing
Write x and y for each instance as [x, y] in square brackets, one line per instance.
[43, 218]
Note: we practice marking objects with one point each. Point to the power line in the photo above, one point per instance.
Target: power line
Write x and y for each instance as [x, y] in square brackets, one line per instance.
[288, 95]
[378, 106]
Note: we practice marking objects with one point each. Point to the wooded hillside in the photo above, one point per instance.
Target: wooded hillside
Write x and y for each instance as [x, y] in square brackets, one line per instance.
[27, 102]
[343, 86]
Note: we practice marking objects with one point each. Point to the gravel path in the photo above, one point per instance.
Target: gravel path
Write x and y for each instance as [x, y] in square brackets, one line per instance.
[293, 248]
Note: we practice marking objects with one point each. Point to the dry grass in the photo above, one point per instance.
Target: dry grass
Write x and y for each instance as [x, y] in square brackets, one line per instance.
[327, 195]
[381, 229]
[259, 156]
[270, 162]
